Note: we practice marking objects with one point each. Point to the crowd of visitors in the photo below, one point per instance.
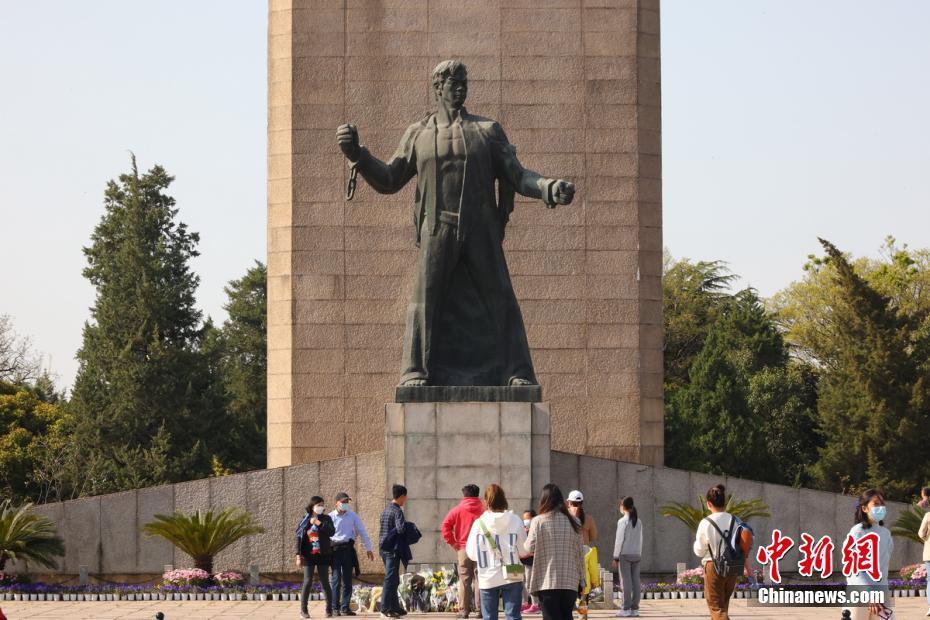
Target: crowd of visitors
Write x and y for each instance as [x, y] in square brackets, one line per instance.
[539, 564]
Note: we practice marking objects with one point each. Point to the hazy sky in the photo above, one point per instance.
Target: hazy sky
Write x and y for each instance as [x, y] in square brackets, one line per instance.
[782, 120]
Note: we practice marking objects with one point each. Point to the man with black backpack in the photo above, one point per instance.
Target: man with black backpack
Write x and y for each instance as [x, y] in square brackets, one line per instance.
[721, 543]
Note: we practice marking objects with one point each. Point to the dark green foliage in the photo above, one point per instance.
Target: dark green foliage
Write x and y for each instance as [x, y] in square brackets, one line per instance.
[239, 352]
[907, 525]
[874, 403]
[691, 517]
[736, 404]
[28, 537]
[143, 401]
[203, 534]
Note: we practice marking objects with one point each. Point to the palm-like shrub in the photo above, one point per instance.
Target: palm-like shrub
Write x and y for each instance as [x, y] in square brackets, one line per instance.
[691, 516]
[908, 523]
[202, 535]
[27, 537]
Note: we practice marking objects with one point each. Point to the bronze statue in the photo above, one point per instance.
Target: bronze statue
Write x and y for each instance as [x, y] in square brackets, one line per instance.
[463, 324]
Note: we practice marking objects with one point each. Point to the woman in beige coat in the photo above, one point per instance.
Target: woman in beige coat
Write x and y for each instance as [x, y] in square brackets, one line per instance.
[924, 534]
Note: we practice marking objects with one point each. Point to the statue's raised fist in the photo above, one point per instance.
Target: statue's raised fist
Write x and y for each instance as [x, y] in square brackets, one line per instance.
[347, 138]
[563, 192]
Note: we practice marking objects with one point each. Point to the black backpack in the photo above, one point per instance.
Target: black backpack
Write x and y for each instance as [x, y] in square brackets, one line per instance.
[729, 560]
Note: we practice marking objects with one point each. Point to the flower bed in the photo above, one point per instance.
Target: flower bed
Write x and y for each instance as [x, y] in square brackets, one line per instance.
[427, 591]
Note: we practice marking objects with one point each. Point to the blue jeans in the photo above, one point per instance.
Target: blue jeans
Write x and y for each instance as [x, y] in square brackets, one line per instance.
[389, 602]
[341, 579]
[513, 597]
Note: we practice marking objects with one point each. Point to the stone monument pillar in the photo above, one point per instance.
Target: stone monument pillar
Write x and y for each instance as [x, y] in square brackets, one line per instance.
[576, 86]
[435, 449]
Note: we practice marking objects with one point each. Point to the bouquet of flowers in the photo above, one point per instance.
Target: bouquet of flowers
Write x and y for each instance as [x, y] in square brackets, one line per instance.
[186, 577]
[229, 579]
[361, 596]
[445, 595]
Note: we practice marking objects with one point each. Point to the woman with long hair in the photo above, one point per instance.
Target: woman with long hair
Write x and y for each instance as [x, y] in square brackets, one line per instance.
[315, 552]
[628, 549]
[554, 540]
[496, 540]
[586, 521]
[870, 519]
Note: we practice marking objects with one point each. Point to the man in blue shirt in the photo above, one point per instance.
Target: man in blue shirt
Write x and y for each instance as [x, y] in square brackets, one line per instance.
[348, 527]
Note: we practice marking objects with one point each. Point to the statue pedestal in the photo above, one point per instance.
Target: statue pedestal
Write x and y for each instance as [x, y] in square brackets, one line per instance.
[434, 449]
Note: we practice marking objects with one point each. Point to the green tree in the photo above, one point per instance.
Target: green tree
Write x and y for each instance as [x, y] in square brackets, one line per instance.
[691, 517]
[202, 535]
[142, 398]
[27, 537]
[736, 403]
[874, 399]
[239, 352]
[29, 427]
[693, 294]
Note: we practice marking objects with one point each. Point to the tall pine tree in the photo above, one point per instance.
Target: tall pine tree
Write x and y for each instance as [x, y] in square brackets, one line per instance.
[142, 400]
[874, 407]
[238, 351]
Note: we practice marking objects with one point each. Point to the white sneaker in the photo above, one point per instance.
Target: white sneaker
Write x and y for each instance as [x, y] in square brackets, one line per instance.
[928, 612]
[635, 613]
[624, 613]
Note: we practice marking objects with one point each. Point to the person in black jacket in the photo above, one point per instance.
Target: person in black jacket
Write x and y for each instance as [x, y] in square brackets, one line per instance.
[314, 550]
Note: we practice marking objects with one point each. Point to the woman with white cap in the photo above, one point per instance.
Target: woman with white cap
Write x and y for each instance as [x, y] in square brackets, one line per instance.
[586, 521]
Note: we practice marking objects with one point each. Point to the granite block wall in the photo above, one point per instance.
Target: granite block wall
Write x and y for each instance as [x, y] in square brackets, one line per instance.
[104, 533]
[576, 86]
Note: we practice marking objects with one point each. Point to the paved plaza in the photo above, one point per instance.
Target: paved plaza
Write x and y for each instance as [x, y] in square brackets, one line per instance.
[197, 610]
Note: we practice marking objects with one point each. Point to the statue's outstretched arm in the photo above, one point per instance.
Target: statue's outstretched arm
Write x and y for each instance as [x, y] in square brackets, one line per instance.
[525, 181]
[384, 177]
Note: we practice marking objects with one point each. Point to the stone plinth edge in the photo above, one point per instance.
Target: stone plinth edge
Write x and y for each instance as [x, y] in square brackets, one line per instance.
[468, 394]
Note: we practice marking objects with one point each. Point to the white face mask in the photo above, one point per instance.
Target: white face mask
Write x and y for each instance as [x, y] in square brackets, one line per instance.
[319, 509]
[526, 522]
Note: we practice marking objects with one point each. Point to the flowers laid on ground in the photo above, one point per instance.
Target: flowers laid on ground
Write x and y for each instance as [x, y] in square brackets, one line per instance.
[429, 590]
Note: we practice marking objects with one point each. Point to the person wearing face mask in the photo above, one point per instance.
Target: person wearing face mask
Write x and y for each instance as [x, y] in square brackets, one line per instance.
[314, 550]
[348, 527]
[870, 518]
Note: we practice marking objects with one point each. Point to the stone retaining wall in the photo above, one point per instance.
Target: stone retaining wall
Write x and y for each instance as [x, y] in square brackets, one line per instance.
[103, 532]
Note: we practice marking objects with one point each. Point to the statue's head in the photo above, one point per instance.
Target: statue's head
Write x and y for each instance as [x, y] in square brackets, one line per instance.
[450, 83]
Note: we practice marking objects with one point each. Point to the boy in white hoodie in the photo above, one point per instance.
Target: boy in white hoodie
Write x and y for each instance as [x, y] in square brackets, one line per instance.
[506, 546]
